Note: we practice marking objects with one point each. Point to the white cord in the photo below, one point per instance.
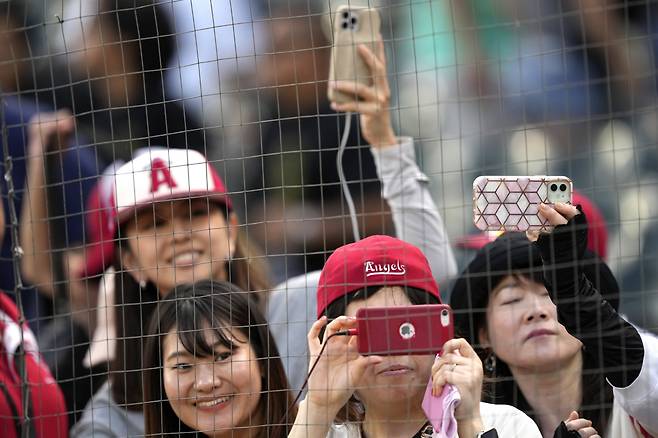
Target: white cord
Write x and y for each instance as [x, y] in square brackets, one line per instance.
[341, 176]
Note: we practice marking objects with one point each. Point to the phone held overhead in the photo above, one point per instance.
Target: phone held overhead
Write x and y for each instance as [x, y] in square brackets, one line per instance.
[511, 203]
[352, 26]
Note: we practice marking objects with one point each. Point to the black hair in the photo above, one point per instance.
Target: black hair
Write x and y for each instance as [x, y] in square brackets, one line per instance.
[146, 25]
[134, 306]
[217, 305]
[354, 411]
[512, 254]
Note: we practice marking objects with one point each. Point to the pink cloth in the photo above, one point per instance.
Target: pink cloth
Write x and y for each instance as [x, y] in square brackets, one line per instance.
[440, 411]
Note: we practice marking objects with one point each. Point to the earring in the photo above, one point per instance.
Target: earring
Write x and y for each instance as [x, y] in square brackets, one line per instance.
[142, 284]
[490, 363]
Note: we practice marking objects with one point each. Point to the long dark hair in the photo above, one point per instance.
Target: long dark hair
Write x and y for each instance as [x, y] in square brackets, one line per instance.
[188, 310]
[134, 306]
[354, 411]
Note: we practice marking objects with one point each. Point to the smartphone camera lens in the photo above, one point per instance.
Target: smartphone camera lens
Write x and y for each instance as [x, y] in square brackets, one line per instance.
[563, 187]
[346, 15]
[345, 24]
[353, 20]
[553, 187]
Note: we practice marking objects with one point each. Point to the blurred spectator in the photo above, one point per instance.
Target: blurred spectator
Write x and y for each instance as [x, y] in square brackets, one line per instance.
[13, 47]
[294, 202]
[65, 337]
[73, 178]
[112, 79]
[19, 350]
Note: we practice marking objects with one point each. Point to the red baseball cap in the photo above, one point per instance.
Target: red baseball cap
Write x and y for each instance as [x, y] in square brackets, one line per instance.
[373, 261]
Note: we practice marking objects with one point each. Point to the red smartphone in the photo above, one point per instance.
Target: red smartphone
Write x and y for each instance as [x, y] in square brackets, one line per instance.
[404, 330]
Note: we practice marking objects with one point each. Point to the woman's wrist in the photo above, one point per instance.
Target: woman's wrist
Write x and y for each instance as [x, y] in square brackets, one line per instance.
[310, 421]
[470, 427]
[389, 140]
[320, 412]
[382, 140]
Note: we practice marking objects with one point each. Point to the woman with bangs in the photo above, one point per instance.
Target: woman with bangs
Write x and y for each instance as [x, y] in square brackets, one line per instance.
[212, 366]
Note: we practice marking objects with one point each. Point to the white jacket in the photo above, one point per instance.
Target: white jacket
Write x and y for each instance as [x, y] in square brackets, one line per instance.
[508, 421]
[635, 408]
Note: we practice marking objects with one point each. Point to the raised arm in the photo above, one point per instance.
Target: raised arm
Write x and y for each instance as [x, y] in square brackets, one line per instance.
[46, 131]
[404, 185]
[630, 358]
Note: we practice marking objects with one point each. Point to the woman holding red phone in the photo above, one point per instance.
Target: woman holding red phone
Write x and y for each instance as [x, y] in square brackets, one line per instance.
[350, 395]
[548, 338]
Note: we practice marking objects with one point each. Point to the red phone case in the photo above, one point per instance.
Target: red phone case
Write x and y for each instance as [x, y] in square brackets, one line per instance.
[394, 331]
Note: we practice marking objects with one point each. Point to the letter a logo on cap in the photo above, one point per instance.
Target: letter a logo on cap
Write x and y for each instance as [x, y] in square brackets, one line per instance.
[160, 175]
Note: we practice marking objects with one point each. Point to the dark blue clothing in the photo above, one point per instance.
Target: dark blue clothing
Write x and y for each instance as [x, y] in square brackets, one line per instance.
[77, 174]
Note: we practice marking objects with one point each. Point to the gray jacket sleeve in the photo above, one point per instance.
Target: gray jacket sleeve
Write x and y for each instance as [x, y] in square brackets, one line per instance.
[416, 217]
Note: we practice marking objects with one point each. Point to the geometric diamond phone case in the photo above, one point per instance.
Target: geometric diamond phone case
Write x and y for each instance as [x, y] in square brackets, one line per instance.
[511, 203]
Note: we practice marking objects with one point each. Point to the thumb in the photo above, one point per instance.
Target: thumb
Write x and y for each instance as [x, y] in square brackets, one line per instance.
[573, 416]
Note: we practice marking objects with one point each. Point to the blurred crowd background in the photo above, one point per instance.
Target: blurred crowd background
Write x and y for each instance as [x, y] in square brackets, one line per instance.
[561, 87]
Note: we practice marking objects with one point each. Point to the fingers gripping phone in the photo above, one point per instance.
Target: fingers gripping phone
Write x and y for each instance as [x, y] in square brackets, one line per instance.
[404, 330]
[352, 26]
[511, 203]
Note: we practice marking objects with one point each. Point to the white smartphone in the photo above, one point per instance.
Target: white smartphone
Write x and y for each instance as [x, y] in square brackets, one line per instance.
[511, 203]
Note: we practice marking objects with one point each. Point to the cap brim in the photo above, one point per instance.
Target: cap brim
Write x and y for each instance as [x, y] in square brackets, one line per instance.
[129, 212]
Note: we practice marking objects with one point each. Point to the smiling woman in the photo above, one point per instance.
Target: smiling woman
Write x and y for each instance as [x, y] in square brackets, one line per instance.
[212, 366]
[173, 223]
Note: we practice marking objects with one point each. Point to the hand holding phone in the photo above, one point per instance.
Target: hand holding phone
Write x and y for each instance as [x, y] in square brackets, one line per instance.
[352, 27]
[335, 365]
[511, 203]
[358, 79]
[404, 330]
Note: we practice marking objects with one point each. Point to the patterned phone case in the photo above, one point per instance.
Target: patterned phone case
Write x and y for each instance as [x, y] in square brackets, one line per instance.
[511, 203]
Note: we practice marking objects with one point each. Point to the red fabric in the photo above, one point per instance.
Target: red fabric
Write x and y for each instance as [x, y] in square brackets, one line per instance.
[99, 252]
[597, 233]
[160, 175]
[373, 261]
[641, 430]
[47, 406]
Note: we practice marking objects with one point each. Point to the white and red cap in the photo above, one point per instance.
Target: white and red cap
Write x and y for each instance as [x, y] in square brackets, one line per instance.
[162, 175]
[373, 261]
[155, 174]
